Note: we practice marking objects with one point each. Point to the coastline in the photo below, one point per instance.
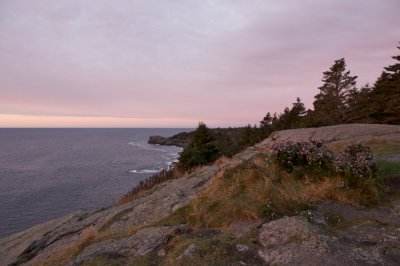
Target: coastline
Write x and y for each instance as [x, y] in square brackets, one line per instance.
[49, 173]
[142, 228]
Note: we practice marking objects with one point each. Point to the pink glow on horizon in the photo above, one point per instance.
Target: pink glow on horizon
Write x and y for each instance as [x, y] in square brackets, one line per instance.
[31, 121]
[153, 63]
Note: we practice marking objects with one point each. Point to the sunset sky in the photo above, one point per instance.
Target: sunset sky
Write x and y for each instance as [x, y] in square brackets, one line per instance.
[148, 63]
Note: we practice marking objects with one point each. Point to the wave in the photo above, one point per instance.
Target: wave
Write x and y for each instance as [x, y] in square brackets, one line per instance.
[170, 156]
[145, 171]
[146, 146]
[136, 143]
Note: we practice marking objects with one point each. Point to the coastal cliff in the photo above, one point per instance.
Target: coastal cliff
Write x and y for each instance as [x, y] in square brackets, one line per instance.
[157, 227]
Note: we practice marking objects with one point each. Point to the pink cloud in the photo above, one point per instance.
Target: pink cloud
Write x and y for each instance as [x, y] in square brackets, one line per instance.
[226, 62]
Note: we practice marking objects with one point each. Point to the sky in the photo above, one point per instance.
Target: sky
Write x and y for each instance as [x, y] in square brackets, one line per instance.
[173, 63]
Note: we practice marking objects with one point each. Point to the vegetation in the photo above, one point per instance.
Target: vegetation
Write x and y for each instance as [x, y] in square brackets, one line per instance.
[210, 247]
[147, 184]
[335, 222]
[338, 101]
[312, 156]
[331, 102]
[268, 185]
[201, 149]
[289, 180]
[262, 188]
[356, 164]
[385, 96]
[387, 169]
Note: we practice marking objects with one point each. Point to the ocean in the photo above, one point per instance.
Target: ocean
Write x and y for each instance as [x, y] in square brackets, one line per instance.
[48, 173]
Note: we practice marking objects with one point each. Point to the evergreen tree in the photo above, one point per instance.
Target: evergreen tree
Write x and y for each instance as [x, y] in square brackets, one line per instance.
[201, 149]
[275, 123]
[385, 96]
[266, 122]
[249, 136]
[285, 119]
[226, 145]
[308, 118]
[297, 114]
[290, 118]
[330, 103]
[358, 104]
[266, 126]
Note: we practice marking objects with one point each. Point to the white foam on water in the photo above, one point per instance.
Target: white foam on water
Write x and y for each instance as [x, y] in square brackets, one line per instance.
[145, 171]
[158, 150]
[170, 156]
[146, 146]
[139, 144]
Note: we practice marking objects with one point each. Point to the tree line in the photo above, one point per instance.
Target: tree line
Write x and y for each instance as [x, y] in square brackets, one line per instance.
[339, 101]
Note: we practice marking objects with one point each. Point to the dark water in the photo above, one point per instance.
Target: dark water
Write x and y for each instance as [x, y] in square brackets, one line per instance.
[48, 173]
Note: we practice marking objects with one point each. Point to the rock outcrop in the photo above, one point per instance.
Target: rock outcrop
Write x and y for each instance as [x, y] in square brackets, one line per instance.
[39, 242]
[340, 134]
[292, 240]
[362, 240]
[139, 244]
[179, 140]
[130, 230]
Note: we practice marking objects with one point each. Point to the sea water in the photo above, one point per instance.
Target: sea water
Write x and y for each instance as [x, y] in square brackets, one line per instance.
[48, 173]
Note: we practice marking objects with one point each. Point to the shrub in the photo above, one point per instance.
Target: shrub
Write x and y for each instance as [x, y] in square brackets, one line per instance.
[356, 164]
[312, 156]
[269, 211]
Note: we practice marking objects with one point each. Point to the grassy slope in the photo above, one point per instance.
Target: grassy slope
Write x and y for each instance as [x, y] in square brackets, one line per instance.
[255, 189]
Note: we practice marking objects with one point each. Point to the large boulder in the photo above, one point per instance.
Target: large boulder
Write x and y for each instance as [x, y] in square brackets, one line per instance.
[293, 240]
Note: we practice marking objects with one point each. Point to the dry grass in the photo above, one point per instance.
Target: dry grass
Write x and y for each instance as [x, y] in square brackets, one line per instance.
[149, 183]
[258, 188]
[67, 253]
[88, 237]
[222, 160]
[110, 234]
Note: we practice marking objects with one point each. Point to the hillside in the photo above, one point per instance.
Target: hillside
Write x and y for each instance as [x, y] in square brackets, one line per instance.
[211, 216]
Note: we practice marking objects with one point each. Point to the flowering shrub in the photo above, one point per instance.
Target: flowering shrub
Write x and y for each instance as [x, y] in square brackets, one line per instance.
[312, 156]
[356, 164]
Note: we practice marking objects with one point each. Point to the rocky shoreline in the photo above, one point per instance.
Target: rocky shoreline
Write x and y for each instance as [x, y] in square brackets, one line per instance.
[179, 140]
[144, 232]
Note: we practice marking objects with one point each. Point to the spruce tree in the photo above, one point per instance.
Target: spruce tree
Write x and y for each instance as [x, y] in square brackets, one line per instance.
[358, 104]
[266, 126]
[297, 114]
[330, 103]
[201, 150]
[290, 118]
[266, 122]
[385, 96]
